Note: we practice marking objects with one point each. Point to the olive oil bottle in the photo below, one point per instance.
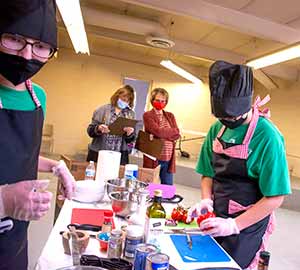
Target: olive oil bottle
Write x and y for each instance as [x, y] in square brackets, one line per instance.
[155, 220]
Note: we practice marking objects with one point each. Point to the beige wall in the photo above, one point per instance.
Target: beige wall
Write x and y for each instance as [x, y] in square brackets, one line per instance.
[285, 110]
[76, 85]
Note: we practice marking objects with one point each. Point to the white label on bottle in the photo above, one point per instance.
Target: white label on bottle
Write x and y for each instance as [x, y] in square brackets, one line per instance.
[154, 229]
[90, 173]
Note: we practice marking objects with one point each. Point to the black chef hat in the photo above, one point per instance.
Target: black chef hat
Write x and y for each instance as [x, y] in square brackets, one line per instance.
[30, 18]
[231, 89]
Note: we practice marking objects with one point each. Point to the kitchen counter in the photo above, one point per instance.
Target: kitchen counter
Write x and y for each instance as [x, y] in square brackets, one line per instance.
[53, 257]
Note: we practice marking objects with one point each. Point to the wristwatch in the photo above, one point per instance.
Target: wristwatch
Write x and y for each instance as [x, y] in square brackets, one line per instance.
[6, 225]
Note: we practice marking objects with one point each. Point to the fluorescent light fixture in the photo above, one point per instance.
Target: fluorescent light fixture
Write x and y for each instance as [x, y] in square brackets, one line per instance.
[282, 55]
[71, 14]
[180, 71]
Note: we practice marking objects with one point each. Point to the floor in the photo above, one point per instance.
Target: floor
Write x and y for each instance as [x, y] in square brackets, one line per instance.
[284, 245]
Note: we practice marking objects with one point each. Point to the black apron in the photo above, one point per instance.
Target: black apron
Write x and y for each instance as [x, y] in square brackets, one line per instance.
[231, 182]
[20, 140]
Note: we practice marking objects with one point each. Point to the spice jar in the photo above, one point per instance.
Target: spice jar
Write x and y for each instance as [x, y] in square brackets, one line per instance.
[115, 244]
[107, 222]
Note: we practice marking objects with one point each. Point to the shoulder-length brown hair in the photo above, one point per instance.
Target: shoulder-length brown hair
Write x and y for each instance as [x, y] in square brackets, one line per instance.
[161, 91]
[128, 91]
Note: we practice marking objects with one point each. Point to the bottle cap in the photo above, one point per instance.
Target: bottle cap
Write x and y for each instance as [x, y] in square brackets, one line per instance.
[117, 233]
[135, 231]
[158, 192]
[108, 213]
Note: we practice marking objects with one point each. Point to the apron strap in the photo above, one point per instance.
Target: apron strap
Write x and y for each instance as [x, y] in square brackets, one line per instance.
[32, 93]
[1, 105]
[256, 113]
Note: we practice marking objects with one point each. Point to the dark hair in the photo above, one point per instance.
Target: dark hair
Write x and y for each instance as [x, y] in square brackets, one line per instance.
[126, 89]
[156, 91]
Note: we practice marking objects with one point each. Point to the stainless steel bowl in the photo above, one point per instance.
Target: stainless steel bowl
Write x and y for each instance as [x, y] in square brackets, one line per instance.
[122, 184]
[123, 203]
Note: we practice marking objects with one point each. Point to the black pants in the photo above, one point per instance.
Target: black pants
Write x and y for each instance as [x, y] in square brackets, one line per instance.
[93, 156]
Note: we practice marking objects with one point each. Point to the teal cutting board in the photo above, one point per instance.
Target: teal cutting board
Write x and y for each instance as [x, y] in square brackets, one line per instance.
[204, 249]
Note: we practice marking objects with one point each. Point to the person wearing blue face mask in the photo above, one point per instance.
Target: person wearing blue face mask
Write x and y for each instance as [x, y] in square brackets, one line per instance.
[243, 166]
[120, 105]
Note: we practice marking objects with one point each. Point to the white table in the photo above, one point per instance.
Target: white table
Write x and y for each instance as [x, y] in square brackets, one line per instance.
[53, 257]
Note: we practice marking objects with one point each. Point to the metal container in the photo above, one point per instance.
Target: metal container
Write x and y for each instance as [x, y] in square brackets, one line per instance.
[157, 261]
[141, 253]
[122, 184]
[123, 203]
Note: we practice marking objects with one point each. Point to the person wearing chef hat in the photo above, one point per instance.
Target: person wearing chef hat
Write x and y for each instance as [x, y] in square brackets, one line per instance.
[28, 39]
[243, 166]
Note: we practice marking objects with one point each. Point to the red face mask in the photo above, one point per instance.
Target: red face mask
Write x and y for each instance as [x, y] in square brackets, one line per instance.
[158, 105]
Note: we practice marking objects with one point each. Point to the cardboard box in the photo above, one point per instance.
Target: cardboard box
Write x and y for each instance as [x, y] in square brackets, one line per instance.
[144, 174]
[77, 169]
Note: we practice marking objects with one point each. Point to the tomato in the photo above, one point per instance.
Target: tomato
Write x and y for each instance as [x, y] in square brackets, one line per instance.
[205, 216]
[175, 214]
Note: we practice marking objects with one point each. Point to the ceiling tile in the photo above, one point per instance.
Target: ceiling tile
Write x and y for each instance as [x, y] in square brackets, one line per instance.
[225, 39]
[258, 47]
[234, 4]
[189, 29]
[278, 11]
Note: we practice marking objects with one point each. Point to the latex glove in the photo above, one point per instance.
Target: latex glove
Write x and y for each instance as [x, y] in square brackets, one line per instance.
[25, 200]
[219, 226]
[67, 181]
[205, 205]
[128, 130]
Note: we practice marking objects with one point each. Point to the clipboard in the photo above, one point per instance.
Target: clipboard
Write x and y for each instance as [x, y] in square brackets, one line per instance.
[147, 146]
[116, 128]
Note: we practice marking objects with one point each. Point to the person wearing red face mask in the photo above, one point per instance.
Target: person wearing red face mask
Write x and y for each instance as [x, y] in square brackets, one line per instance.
[162, 125]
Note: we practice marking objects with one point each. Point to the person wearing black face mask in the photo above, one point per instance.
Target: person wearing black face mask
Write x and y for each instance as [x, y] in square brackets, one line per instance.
[27, 40]
[243, 166]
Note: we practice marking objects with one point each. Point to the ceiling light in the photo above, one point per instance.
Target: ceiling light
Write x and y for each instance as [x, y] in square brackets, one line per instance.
[282, 55]
[72, 17]
[180, 71]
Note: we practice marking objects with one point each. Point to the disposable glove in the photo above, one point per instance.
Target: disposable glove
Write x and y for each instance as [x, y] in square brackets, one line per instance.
[25, 200]
[205, 205]
[67, 181]
[219, 226]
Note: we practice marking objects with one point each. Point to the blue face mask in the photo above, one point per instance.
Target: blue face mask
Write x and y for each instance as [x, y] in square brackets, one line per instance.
[122, 104]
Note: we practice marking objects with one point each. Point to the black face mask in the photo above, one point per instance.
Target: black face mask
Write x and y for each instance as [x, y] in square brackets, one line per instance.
[233, 124]
[17, 69]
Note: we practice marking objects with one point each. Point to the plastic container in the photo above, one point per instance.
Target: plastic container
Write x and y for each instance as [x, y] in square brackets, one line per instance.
[134, 237]
[90, 171]
[131, 171]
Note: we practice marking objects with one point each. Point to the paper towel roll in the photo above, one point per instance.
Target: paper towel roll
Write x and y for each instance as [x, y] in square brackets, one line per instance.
[108, 165]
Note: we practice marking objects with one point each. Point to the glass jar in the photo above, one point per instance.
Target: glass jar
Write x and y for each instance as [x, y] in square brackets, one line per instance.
[115, 244]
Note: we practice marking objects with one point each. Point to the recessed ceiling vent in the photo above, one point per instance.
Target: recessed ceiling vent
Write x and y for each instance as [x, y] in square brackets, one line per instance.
[159, 42]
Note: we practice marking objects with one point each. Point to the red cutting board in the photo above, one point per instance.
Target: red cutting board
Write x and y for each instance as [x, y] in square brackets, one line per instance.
[89, 216]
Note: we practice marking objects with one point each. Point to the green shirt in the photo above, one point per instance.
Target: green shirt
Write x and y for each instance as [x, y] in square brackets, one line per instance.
[22, 100]
[266, 160]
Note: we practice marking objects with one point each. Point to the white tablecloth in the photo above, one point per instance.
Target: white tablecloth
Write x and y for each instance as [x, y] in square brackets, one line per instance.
[53, 257]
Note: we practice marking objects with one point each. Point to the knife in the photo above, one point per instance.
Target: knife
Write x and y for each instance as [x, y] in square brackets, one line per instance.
[189, 240]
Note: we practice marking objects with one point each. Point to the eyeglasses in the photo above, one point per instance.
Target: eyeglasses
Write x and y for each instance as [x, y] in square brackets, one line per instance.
[18, 43]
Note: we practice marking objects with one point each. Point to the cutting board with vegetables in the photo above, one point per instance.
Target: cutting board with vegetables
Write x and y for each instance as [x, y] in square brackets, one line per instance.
[204, 249]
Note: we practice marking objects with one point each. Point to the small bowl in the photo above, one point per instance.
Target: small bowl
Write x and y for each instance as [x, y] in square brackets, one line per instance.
[103, 239]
